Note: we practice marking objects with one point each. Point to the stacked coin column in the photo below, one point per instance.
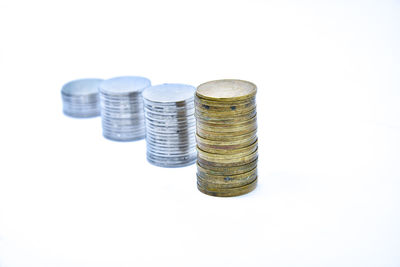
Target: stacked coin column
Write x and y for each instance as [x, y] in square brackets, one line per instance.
[81, 98]
[122, 108]
[226, 127]
[170, 125]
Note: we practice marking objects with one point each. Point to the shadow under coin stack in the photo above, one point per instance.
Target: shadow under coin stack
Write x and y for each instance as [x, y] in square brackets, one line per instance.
[81, 98]
[170, 125]
[226, 137]
[122, 108]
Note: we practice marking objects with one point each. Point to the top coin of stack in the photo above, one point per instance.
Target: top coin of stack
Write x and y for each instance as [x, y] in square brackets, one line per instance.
[227, 145]
[122, 108]
[81, 98]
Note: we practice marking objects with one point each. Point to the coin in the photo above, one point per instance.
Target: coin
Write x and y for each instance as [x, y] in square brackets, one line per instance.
[226, 90]
[227, 180]
[224, 118]
[228, 192]
[122, 108]
[217, 139]
[231, 150]
[80, 98]
[226, 137]
[170, 125]
[232, 170]
[228, 158]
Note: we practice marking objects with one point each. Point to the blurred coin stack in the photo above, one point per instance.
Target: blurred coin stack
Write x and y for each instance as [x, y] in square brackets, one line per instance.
[227, 146]
[81, 99]
[122, 108]
[170, 125]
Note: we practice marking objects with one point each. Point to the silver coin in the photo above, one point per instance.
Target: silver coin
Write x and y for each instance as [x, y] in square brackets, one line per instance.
[122, 108]
[168, 163]
[80, 98]
[170, 125]
[123, 86]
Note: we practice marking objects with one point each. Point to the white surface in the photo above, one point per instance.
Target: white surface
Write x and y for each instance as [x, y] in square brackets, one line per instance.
[329, 133]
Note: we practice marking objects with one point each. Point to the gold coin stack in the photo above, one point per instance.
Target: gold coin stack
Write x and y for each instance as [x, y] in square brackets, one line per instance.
[226, 135]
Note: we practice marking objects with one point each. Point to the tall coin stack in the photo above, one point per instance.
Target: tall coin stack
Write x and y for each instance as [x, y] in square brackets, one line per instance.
[122, 108]
[81, 99]
[227, 146]
[170, 125]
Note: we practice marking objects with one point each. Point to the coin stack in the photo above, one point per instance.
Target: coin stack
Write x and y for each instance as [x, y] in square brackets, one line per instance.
[81, 99]
[227, 146]
[170, 125]
[122, 108]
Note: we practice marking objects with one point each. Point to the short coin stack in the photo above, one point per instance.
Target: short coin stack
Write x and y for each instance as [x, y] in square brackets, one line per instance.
[170, 125]
[122, 108]
[81, 98]
[227, 142]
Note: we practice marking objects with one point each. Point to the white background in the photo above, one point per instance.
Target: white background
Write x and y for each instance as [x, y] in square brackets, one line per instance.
[329, 135]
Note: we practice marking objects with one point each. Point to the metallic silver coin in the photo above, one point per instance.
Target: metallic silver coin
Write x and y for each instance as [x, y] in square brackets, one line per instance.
[80, 98]
[170, 147]
[122, 108]
[170, 125]
[167, 163]
[170, 131]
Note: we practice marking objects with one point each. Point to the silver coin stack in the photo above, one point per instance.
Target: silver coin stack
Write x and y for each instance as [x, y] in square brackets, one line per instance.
[81, 99]
[170, 125]
[122, 108]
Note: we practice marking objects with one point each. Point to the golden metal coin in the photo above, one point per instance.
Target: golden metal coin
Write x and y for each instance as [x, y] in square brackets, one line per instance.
[211, 124]
[227, 128]
[231, 109]
[226, 90]
[226, 137]
[225, 104]
[228, 114]
[224, 123]
[227, 179]
[209, 184]
[228, 192]
[225, 145]
[234, 170]
[220, 139]
[232, 151]
[225, 160]
[213, 134]
[224, 118]
[232, 163]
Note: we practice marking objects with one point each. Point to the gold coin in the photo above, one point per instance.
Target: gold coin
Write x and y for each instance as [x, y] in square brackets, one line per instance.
[210, 185]
[234, 132]
[243, 114]
[226, 160]
[212, 127]
[234, 170]
[217, 139]
[219, 126]
[226, 90]
[225, 104]
[227, 122]
[225, 145]
[232, 151]
[227, 179]
[238, 162]
[228, 192]
[228, 113]
[207, 117]
[231, 109]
